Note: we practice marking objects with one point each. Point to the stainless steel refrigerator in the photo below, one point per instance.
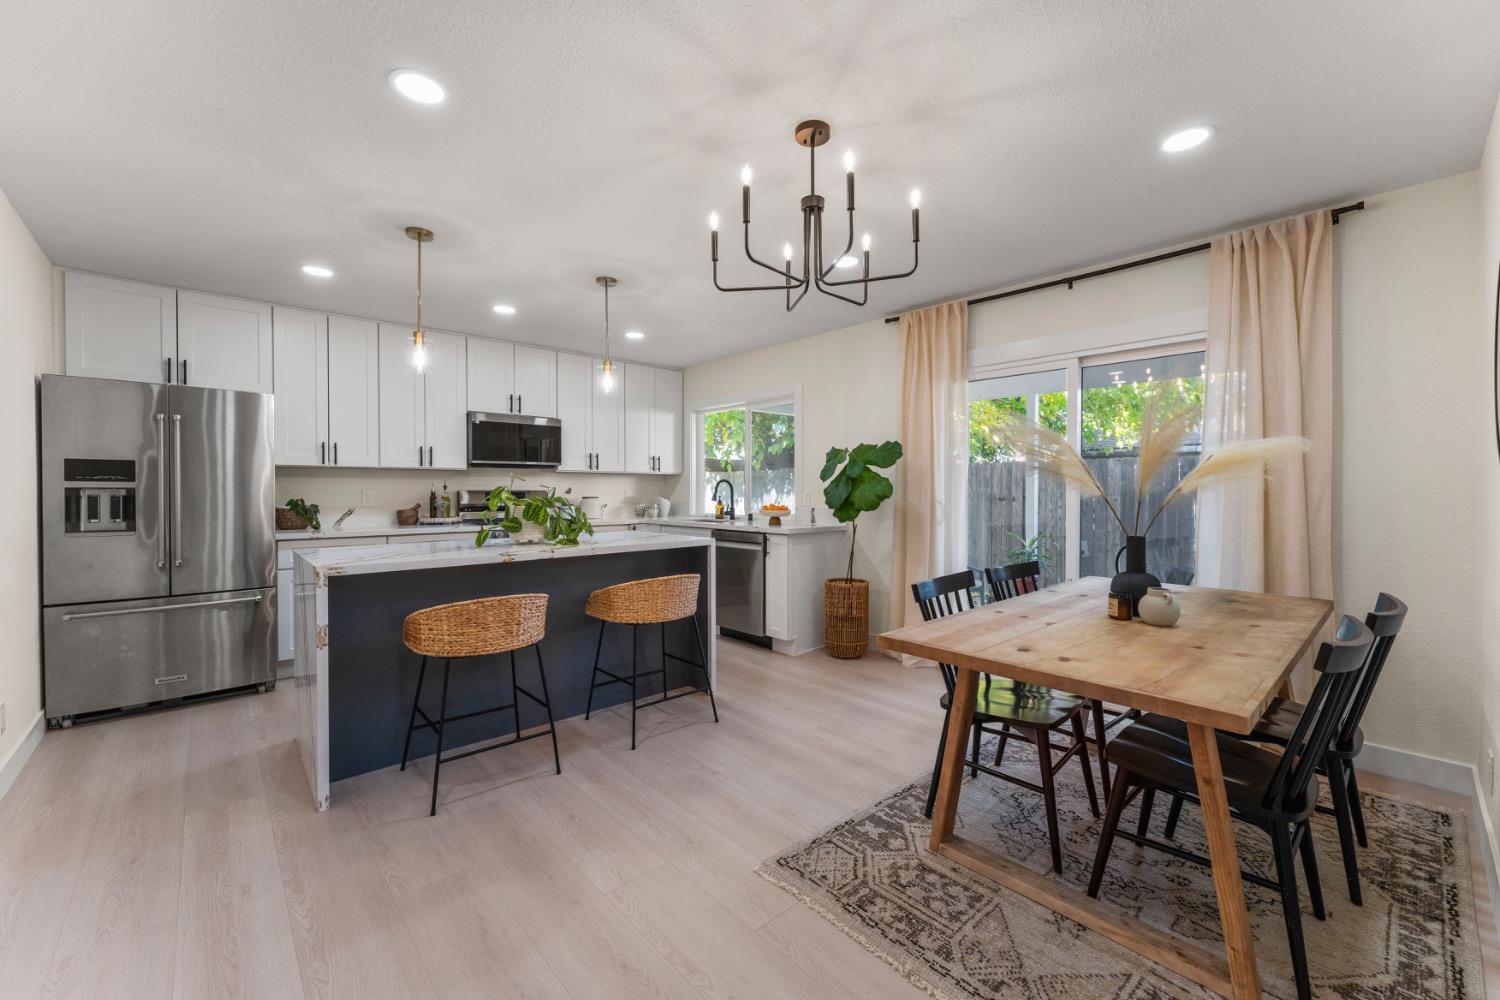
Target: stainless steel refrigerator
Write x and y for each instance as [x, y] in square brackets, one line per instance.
[157, 543]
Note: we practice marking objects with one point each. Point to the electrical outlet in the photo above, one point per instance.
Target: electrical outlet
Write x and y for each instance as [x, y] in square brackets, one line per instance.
[367, 498]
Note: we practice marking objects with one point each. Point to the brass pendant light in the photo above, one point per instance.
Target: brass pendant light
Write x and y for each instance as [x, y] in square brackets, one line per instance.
[607, 369]
[418, 354]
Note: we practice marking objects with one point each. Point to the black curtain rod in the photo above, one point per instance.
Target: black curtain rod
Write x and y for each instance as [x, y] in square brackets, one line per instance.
[1181, 252]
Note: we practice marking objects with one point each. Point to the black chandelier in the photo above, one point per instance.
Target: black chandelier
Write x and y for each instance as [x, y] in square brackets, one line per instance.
[812, 134]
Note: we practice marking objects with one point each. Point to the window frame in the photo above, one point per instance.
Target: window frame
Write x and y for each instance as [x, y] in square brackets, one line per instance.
[763, 397]
[1174, 333]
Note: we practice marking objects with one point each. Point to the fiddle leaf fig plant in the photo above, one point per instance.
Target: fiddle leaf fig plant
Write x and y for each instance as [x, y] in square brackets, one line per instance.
[852, 486]
[562, 522]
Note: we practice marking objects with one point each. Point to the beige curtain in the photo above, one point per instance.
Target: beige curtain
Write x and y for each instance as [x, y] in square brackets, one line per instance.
[1270, 373]
[932, 476]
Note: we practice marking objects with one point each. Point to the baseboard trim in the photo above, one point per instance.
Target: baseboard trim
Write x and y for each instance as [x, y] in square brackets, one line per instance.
[10, 769]
[1450, 776]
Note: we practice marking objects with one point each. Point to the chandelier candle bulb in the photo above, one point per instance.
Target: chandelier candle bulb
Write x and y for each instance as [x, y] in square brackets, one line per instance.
[745, 193]
[786, 252]
[864, 243]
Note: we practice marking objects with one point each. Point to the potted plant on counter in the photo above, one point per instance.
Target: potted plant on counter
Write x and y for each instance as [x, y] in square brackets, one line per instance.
[852, 487]
[545, 517]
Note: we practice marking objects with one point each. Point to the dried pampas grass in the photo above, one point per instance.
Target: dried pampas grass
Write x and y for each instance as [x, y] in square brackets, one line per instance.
[1165, 423]
[1049, 451]
[1244, 460]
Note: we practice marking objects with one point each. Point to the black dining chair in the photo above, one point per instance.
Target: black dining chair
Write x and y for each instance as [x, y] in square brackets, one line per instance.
[1279, 723]
[1020, 578]
[1029, 711]
[1276, 792]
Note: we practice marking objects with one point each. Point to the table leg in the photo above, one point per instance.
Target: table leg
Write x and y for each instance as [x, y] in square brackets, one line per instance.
[1285, 692]
[951, 777]
[1226, 863]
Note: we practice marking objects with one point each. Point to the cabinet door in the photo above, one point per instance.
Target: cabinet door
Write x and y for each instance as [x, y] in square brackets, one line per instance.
[119, 329]
[536, 381]
[224, 343]
[607, 422]
[640, 406]
[666, 424]
[353, 392]
[445, 400]
[403, 442]
[301, 383]
[575, 395]
[491, 376]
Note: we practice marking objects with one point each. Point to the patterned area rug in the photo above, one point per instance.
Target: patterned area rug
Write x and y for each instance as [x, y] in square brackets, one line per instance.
[958, 935]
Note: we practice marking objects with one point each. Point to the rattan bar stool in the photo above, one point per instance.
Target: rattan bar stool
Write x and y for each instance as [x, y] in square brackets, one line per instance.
[656, 601]
[485, 627]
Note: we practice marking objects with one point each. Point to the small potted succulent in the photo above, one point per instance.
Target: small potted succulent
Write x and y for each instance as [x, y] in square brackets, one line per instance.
[852, 487]
[546, 517]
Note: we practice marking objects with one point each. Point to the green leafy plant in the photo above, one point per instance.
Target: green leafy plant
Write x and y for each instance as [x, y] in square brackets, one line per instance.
[560, 520]
[851, 486]
[1033, 549]
[302, 508]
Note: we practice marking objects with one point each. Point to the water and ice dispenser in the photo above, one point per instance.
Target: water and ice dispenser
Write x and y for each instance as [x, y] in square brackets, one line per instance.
[98, 495]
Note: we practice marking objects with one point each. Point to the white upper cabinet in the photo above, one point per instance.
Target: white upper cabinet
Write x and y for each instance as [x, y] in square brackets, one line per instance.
[512, 378]
[119, 329]
[535, 381]
[445, 402]
[607, 423]
[491, 376]
[575, 404]
[301, 384]
[403, 417]
[224, 343]
[353, 392]
[640, 411]
[666, 422]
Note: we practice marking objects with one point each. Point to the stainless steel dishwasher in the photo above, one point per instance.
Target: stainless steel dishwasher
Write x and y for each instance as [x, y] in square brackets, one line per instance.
[740, 595]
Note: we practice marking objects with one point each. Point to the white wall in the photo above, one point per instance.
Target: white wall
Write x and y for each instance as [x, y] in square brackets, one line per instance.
[26, 304]
[1411, 376]
[1488, 598]
[334, 490]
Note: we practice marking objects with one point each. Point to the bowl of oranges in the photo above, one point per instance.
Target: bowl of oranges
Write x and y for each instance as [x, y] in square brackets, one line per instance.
[774, 512]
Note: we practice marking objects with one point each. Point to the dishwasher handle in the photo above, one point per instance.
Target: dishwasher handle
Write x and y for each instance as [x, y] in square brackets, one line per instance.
[721, 543]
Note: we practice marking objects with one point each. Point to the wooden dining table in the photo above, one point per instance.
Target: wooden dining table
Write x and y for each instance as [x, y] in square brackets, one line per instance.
[1218, 668]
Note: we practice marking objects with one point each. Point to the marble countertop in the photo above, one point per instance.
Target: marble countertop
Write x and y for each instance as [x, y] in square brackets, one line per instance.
[368, 530]
[350, 560]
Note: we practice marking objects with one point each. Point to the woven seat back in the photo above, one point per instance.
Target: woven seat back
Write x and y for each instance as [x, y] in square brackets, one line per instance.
[477, 628]
[643, 602]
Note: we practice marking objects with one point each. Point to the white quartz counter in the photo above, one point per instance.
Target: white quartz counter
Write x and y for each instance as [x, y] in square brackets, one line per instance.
[332, 535]
[353, 559]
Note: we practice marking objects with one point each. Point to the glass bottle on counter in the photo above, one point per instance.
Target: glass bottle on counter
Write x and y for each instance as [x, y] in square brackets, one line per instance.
[432, 500]
[445, 502]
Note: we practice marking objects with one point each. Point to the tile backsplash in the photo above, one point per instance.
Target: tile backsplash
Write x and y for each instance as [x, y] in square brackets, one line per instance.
[388, 490]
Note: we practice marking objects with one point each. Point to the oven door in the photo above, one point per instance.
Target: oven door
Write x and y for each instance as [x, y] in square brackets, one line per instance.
[513, 439]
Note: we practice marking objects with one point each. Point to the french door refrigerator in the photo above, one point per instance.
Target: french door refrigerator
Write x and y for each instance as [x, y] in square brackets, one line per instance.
[157, 543]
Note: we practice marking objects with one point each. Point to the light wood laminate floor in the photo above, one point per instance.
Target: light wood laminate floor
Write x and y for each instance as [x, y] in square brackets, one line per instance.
[177, 854]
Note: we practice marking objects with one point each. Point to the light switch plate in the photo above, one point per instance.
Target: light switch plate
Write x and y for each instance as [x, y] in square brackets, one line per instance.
[367, 498]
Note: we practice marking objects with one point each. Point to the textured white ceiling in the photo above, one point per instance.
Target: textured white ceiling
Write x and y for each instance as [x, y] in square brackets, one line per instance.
[219, 144]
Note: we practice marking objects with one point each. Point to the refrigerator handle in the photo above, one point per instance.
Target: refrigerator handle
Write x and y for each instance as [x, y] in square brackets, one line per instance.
[161, 499]
[177, 486]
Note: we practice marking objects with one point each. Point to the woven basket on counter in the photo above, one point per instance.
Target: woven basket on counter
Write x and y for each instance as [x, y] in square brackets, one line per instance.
[287, 521]
[846, 618]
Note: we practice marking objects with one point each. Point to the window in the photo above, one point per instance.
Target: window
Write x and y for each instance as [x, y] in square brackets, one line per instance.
[1015, 514]
[1018, 515]
[765, 472]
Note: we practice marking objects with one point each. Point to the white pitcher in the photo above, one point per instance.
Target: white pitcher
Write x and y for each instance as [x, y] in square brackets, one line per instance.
[1159, 607]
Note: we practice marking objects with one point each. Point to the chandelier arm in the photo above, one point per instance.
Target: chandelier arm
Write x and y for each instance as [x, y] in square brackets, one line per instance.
[792, 303]
[848, 245]
[749, 288]
[884, 277]
[822, 285]
[756, 260]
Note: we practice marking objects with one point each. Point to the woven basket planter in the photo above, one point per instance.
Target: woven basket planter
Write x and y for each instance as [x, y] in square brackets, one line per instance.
[846, 618]
[287, 521]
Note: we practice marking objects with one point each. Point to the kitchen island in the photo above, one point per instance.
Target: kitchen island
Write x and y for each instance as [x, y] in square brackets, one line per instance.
[355, 679]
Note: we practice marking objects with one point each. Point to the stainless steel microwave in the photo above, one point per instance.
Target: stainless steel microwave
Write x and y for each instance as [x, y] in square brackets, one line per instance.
[513, 439]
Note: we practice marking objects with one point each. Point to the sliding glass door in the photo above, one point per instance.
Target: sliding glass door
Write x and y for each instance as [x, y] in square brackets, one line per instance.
[1018, 515]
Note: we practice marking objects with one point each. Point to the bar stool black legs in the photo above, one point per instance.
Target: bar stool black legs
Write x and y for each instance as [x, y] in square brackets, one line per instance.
[636, 674]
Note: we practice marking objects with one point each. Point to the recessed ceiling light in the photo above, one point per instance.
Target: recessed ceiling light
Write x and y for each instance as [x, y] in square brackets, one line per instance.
[504, 310]
[418, 87]
[317, 271]
[1188, 138]
[634, 335]
[848, 260]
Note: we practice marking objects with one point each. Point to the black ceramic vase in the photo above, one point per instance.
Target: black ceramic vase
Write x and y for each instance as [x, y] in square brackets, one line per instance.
[1134, 581]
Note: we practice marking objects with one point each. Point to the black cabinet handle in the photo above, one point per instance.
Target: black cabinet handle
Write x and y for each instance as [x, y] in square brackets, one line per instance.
[429, 456]
[183, 364]
[167, 365]
[323, 453]
[510, 403]
[419, 455]
[520, 406]
[335, 453]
